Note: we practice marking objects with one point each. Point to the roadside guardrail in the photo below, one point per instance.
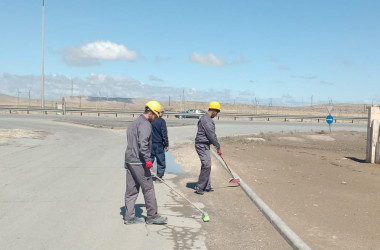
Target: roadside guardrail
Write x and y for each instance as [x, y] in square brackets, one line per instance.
[221, 116]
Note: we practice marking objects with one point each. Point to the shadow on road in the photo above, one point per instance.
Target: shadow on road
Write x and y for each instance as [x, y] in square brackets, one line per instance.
[191, 185]
[138, 210]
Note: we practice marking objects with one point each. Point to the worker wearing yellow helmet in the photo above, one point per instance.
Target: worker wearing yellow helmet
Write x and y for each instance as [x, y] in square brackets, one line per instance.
[204, 138]
[153, 106]
[138, 163]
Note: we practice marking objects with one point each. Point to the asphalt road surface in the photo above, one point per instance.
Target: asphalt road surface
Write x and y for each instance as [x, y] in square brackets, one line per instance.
[63, 184]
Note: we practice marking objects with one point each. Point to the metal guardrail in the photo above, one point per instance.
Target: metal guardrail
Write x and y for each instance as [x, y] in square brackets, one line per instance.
[65, 111]
[286, 118]
[233, 116]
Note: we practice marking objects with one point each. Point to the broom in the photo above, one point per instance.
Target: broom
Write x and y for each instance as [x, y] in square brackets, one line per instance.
[233, 179]
[205, 216]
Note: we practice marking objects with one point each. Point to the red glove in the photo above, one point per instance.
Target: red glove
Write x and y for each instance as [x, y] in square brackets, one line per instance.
[148, 164]
[219, 151]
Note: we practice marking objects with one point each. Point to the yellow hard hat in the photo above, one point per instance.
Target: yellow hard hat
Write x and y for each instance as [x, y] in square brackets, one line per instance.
[155, 107]
[214, 105]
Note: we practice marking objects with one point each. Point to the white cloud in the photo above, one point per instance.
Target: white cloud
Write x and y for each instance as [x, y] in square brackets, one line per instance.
[241, 60]
[344, 62]
[282, 67]
[155, 78]
[327, 83]
[90, 53]
[207, 59]
[279, 66]
[102, 85]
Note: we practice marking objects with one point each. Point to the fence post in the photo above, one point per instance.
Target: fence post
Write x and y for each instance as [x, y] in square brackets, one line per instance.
[373, 131]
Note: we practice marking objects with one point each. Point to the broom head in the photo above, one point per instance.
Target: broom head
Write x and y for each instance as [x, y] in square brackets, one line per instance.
[234, 180]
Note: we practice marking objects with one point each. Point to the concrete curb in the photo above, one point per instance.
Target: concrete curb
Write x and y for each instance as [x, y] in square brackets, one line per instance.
[292, 238]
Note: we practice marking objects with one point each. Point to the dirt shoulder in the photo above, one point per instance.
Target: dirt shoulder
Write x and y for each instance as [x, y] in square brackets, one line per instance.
[318, 183]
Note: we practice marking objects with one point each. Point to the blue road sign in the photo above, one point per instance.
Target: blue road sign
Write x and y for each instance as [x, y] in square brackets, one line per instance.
[329, 119]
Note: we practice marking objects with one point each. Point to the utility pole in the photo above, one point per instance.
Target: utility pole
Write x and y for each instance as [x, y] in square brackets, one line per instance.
[256, 104]
[43, 74]
[311, 102]
[18, 96]
[183, 99]
[72, 88]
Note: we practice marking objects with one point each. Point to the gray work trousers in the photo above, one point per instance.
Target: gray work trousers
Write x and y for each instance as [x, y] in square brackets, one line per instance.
[138, 176]
[204, 181]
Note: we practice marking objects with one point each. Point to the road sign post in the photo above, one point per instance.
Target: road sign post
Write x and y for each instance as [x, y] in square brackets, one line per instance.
[329, 120]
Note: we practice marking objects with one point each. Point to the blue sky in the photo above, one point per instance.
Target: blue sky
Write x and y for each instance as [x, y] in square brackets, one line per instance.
[280, 52]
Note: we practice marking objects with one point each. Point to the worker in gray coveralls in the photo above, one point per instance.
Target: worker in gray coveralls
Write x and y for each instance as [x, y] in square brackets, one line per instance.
[204, 138]
[160, 144]
[138, 164]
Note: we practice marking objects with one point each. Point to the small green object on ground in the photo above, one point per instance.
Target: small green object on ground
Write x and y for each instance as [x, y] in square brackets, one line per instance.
[205, 217]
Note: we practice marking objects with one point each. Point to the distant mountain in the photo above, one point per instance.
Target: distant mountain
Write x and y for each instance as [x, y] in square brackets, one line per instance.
[4, 97]
[109, 99]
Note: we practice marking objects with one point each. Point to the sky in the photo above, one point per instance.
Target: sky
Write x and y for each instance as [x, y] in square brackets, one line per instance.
[268, 52]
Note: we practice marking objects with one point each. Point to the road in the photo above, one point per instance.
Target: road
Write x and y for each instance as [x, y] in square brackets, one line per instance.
[62, 185]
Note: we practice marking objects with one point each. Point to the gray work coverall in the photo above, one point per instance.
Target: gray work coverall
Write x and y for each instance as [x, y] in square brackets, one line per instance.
[139, 139]
[204, 138]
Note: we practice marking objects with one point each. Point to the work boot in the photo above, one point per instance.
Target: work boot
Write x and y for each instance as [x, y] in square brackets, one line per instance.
[158, 220]
[209, 190]
[135, 220]
[198, 190]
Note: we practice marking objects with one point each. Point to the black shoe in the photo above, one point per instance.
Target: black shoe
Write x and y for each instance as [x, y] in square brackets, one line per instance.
[158, 220]
[198, 190]
[209, 190]
[135, 220]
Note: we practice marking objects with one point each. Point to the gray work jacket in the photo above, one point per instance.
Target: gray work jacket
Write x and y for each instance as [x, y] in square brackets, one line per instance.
[139, 139]
[206, 132]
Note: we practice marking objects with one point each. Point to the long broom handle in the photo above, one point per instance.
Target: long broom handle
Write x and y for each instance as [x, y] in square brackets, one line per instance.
[229, 170]
[177, 192]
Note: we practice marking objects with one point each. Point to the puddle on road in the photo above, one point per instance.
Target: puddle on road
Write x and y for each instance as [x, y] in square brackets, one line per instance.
[171, 165]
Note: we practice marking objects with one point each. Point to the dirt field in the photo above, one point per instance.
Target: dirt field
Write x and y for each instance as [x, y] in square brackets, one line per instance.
[318, 183]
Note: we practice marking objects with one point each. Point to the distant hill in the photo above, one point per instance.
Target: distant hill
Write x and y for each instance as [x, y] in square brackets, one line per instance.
[136, 104]
[4, 98]
[109, 99]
